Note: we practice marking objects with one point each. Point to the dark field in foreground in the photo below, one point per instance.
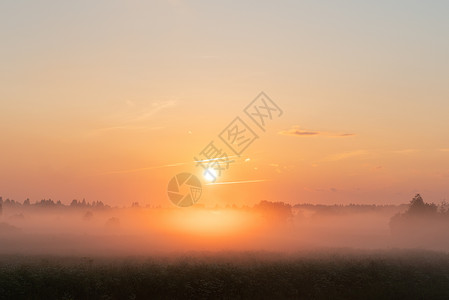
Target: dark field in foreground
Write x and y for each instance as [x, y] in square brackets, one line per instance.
[336, 274]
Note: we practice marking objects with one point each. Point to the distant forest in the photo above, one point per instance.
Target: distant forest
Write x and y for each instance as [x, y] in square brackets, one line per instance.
[402, 213]
[262, 205]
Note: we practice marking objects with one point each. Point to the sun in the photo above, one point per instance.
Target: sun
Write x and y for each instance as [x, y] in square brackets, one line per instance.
[210, 174]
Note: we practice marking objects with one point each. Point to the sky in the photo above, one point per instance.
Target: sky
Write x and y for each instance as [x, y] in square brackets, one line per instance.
[108, 100]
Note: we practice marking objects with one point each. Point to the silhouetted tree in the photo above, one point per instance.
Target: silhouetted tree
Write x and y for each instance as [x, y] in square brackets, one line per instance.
[444, 208]
[277, 211]
[46, 203]
[419, 207]
[98, 204]
[416, 218]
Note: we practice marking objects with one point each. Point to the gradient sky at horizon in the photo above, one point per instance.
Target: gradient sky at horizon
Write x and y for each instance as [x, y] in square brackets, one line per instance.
[104, 99]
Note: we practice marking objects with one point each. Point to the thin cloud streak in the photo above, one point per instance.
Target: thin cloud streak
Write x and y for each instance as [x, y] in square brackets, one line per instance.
[145, 168]
[125, 127]
[157, 107]
[162, 166]
[238, 182]
[367, 153]
[345, 155]
[135, 121]
[297, 131]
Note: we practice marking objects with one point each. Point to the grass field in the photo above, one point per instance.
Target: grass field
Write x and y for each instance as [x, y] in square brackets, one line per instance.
[332, 274]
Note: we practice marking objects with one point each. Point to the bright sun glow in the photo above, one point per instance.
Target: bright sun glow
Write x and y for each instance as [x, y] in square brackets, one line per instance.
[210, 174]
[200, 222]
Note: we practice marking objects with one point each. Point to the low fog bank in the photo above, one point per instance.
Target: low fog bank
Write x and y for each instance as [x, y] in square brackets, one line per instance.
[96, 229]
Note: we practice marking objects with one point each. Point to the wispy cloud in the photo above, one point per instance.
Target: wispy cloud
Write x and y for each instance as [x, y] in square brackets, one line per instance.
[134, 117]
[144, 168]
[192, 162]
[334, 190]
[367, 153]
[297, 131]
[406, 151]
[149, 112]
[345, 155]
[124, 127]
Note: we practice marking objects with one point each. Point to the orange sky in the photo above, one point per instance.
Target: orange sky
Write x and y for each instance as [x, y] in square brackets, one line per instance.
[97, 100]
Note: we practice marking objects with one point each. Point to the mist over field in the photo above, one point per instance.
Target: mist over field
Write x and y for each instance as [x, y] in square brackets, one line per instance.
[269, 251]
[101, 230]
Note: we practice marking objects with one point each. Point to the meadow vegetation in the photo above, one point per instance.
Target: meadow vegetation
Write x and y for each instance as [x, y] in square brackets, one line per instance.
[332, 274]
